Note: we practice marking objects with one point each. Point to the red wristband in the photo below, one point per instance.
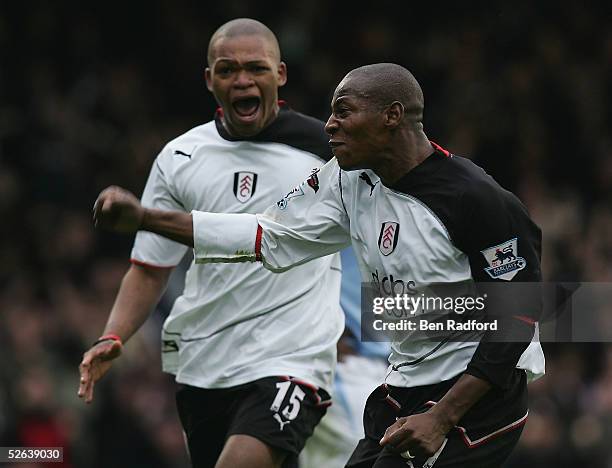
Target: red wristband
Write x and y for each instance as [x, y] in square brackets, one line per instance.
[108, 337]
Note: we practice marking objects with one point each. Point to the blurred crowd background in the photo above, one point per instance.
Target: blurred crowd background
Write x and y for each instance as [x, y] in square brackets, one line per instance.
[90, 94]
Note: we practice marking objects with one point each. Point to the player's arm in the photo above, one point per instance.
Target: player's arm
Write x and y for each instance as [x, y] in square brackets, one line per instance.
[144, 283]
[509, 239]
[140, 290]
[310, 222]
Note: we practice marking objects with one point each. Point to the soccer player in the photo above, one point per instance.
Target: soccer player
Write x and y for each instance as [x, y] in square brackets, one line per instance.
[254, 351]
[417, 216]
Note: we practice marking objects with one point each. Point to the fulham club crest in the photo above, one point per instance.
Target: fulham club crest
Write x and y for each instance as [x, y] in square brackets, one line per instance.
[244, 185]
[504, 262]
[313, 181]
[387, 240]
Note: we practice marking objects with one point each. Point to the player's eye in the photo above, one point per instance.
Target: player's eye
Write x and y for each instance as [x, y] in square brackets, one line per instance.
[224, 71]
[259, 69]
[341, 112]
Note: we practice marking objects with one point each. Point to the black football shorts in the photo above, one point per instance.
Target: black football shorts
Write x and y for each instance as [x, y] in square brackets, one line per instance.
[483, 438]
[280, 411]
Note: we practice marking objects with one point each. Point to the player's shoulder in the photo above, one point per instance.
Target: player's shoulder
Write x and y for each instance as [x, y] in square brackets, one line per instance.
[299, 131]
[480, 191]
[186, 143]
[182, 149]
[470, 175]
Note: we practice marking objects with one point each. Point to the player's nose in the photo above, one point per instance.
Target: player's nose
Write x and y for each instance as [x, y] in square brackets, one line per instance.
[243, 79]
[331, 126]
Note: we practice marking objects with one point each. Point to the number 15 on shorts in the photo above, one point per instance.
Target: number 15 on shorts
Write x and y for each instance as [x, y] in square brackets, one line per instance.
[292, 408]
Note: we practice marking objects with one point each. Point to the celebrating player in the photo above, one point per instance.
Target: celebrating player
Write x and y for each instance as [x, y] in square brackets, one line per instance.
[417, 216]
[254, 351]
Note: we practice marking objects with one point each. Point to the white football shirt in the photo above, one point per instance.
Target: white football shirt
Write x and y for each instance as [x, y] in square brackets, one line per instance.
[235, 323]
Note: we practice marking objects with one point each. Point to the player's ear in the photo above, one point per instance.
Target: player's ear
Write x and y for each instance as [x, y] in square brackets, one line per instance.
[208, 78]
[394, 114]
[282, 74]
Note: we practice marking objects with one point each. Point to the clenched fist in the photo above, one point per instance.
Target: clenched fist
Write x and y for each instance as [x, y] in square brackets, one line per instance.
[118, 210]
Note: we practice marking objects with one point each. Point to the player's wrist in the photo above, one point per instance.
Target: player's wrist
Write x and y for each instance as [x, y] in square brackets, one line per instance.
[445, 415]
[108, 337]
[459, 399]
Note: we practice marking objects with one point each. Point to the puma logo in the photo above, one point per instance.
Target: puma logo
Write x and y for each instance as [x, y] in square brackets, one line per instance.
[179, 152]
[366, 178]
[280, 421]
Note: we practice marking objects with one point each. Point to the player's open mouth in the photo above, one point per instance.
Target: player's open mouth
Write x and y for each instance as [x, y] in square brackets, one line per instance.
[246, 108]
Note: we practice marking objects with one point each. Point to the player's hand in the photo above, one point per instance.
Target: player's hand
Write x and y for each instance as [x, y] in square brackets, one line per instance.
[96, 362]
[118, 210]
[420, 434]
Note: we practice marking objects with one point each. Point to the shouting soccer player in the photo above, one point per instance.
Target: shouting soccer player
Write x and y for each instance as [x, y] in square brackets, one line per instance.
[254, 351]
[419, 214]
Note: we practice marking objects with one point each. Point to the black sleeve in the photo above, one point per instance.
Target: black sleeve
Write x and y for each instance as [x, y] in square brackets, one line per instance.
[504, 249]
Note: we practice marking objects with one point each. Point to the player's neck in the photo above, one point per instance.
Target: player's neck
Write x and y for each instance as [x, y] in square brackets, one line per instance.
[407, 152]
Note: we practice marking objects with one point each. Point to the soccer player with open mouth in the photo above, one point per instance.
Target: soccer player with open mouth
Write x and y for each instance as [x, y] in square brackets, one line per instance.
[254, 352]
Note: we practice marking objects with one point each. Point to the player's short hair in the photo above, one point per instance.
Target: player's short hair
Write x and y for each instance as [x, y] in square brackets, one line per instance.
[243, 27]
[384, 83]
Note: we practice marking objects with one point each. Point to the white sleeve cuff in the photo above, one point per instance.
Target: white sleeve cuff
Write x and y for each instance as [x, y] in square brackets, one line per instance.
[224, 237]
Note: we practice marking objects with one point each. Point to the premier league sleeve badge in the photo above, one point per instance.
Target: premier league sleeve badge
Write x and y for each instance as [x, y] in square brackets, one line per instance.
[504, 262]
